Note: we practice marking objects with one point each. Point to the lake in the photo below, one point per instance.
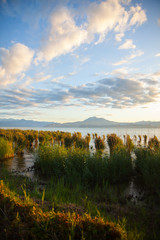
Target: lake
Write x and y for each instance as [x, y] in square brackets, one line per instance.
[120, 131]
[20, 163]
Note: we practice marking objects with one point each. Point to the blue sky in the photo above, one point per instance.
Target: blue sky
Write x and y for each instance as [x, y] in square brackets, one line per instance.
[65, 61]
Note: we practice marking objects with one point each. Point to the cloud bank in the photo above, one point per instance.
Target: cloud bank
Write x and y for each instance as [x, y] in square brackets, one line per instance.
[115, 92]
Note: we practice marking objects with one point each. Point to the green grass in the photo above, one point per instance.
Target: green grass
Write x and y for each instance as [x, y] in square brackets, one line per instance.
[25, 219]
[107, 202]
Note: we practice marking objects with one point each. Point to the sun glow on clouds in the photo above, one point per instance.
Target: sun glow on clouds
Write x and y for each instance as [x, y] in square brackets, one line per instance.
[65, 35]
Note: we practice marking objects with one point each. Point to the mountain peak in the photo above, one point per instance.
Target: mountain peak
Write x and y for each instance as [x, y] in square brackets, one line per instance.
[96, 120]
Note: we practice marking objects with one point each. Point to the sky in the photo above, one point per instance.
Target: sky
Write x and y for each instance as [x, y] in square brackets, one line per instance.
[68, 60]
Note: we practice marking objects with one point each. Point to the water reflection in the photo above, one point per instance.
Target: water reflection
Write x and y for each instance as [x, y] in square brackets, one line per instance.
[20, 163]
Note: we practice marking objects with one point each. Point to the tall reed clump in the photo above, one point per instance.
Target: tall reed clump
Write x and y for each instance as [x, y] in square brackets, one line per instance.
[129, 144]
[75, 165]
[147, 168]
[50, 161]
[24, 219]
[20, 142]
[114, 142]
[120, 167]
[154, 143]
[79, 166]
[6, 149]
[99, 142]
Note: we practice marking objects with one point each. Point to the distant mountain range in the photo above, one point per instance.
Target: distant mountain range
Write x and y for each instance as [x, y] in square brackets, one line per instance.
[22, 123]
[92, 122]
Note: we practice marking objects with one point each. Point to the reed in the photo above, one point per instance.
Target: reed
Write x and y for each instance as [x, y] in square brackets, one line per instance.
[120, 167]
[114, 142]
[147, 169]
[79, 166]
[99, 143]
[6, 149]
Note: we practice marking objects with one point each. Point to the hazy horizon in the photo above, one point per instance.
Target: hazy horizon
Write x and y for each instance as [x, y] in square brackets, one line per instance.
[76, 120]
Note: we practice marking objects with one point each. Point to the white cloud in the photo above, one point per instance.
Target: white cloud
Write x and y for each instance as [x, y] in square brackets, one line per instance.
[157, 55]
[111, 15]
[17, 59]
[26, 83]
[41, 77]
[14, 62]
[156, 75]
[117, 92]
[75, 55]
[85, 60]
[128, 59]
[120, 72]
[57, 79]
[138, 16]
[119, 37]
[2, 72]
[64, 35]
[126, 1]
[103, 17]
[135, 54]
[127, 45]
[121, 62]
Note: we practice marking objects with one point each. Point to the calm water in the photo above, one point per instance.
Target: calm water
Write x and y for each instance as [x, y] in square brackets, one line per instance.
[120, 131]
[21, 163]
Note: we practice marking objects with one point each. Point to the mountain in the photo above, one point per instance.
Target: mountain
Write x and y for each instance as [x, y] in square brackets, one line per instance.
[22, 123]
[92, 122]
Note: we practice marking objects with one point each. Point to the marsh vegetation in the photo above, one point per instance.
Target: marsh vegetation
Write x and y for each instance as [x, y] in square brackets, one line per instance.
[82, 191]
